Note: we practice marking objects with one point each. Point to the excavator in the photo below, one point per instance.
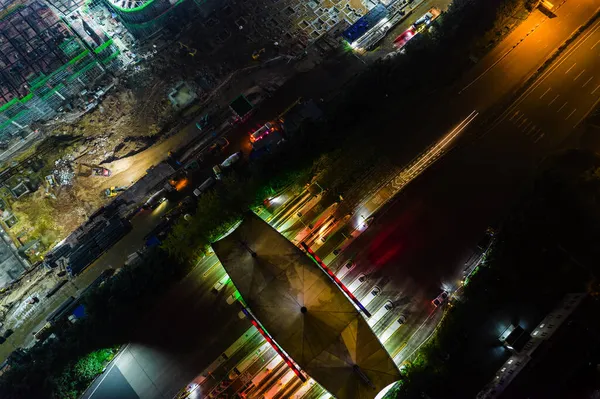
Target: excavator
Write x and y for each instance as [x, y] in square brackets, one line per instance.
[114, 191]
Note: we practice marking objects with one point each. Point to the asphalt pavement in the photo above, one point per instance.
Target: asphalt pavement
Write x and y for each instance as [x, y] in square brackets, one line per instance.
[178, 338]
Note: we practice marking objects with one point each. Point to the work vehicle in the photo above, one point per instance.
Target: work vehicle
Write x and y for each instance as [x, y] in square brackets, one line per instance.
[233, 158]
[114, 191]
[208, 183]
[156, 199]
[547, 5]
[228, 162]
[100, 171]
[85, 169]
[43, 333]
[261, 132]
[440, 299]
[427, 18]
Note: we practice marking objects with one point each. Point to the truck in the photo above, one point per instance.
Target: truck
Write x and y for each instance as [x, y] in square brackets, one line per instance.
[427, 18]
[227, 163]
[100, 171]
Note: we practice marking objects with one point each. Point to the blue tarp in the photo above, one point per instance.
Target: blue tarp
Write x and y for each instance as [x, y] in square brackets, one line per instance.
[365, 23]
[79, 312]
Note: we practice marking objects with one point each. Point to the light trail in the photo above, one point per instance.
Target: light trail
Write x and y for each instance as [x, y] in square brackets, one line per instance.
[441, 145]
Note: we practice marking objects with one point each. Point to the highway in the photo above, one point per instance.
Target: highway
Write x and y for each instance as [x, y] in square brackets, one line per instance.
[418, 247]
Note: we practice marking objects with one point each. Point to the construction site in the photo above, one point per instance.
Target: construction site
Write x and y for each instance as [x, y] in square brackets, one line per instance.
[94, 93]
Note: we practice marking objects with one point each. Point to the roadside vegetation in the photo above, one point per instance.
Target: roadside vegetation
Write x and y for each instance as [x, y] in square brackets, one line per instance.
[547, 247]
[340, 150]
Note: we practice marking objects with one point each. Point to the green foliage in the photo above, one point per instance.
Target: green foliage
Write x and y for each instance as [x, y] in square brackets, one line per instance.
[75, 379]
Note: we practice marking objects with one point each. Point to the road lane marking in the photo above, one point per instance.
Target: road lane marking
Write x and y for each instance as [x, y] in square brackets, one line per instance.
[539, 138]
[577, 77]
[106, 372]
[588, 81]
[520, 116]
[523, 121]
[597, 87]
[550, 103]
[206, 273]
[595, 44]
[546, 92]
[552, 69]
[572, 112]
[527, 126]
[515, 114]
[569, 70]
[561, 107]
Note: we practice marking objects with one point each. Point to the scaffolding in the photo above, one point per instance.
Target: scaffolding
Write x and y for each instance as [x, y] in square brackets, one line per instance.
[46, 60]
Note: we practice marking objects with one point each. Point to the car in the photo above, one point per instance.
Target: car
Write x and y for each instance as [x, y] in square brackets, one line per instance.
[440, 299]
[401, 319]
[208, 183]
[389, 306]
[375, 291]
[404, 37]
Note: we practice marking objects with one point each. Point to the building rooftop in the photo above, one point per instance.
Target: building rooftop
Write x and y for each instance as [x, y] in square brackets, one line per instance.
[305, 312]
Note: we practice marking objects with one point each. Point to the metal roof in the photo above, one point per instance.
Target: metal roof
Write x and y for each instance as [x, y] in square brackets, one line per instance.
[305, 312]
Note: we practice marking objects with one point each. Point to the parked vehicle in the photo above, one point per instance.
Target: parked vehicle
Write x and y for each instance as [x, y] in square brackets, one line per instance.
[440, 299]
[208, 183]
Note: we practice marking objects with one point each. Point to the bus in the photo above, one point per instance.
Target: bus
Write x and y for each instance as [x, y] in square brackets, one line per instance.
[248, 361]
[387, 306]
[357, 282]
[279, 385]
[345, 269]
[392, 328]
[262, 375]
